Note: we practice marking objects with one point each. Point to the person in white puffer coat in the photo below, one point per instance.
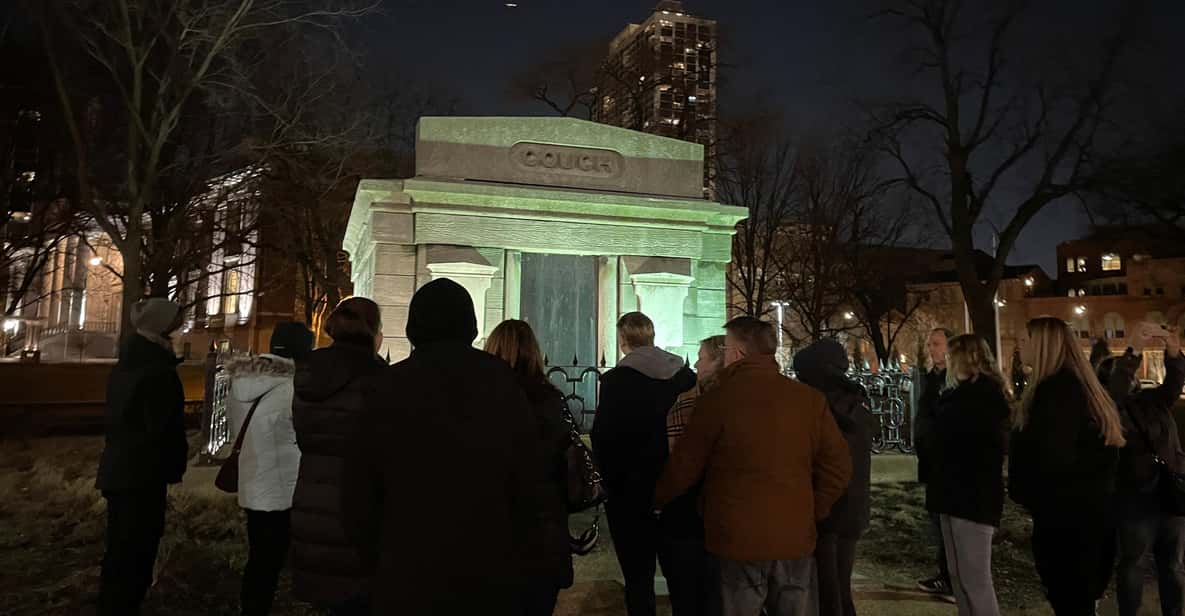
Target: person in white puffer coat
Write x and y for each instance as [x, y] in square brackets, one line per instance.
[269, 460]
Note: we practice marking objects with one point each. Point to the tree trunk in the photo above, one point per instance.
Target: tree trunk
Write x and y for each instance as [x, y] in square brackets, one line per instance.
[132, 288]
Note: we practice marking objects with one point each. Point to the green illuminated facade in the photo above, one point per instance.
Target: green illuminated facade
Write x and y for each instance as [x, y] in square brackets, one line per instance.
[561, 222]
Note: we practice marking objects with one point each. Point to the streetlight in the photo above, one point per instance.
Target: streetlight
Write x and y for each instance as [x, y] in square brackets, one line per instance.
[849, 316]
[1080, 310]
[95, 261]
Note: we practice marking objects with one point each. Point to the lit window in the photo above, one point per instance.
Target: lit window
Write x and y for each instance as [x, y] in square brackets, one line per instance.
[28, 176]
[692, 98]
[1112, 262]
[1113, 325]
[230, 301]
[1069, 265]
[1071, 293]
[1081, 264]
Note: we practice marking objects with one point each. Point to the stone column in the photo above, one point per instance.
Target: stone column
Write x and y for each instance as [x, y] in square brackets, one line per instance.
[660, 296]
[476, 279]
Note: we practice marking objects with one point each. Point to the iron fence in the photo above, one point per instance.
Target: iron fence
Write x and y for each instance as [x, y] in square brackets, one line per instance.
[580, 384]
[889, 400]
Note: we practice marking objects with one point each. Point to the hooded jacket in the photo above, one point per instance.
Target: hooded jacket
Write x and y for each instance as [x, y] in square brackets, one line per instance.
[967, 479]
[328, 406]
[441, 488]
[823, 365]
[629, 429]
[145, 442]
[1147, 420]
[269, 460]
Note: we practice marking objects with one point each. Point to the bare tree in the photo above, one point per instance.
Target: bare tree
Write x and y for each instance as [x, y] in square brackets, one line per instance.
[989, 140]
[566, 83]
[757, 168]
[170, 105]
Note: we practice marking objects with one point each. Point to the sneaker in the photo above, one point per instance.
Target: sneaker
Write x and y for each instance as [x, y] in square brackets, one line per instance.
[937, 585]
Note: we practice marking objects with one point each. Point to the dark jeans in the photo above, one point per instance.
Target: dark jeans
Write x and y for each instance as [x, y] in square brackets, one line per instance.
[1164, 537]
[1075, 558]
[135, 524]
[772, 587]
[936, 538]
[540, 600]
[835, 556]
[358, 606]
[267, 541]
[639, 539]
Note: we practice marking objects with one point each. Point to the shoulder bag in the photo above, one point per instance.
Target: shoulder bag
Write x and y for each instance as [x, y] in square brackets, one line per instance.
[228, 476]
[1170, 485]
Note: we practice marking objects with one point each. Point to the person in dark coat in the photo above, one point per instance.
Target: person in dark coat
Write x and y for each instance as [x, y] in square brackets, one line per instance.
[442, 479]
[1062, 468]
[966, 487]
[327, 570]
[144, 451]
[547, 561]
[1144, 525]
[823, 365]
[928, 382]
[629, 440]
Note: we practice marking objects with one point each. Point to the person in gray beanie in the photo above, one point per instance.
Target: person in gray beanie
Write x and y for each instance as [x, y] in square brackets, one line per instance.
[145, 450]
[823, 365]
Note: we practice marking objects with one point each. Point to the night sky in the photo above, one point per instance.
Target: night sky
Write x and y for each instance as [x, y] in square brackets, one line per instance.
[814, 59]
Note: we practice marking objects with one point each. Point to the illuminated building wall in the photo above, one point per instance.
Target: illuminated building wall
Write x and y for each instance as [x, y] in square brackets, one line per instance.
[564, 223]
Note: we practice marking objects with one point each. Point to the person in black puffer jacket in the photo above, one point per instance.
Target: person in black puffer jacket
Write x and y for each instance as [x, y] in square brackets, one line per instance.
[1062, 467]
[327, 570]
[1144, 525]
[966, 488]
[823, 365]
[929, 379]
[144, 451]
[548, 556]
[629, 438]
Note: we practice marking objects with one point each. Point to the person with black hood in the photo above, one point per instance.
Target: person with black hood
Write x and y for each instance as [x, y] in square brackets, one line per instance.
[1146, 525]
[327, 570]
[548, 559]
[441, 486]
[824, 365]
[261, 388]
[630, 442]
[145, 450]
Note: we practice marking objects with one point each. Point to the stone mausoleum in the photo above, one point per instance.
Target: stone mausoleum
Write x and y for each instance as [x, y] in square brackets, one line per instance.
[564, 223]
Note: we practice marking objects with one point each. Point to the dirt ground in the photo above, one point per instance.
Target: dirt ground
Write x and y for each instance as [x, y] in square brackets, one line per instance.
[51, 541]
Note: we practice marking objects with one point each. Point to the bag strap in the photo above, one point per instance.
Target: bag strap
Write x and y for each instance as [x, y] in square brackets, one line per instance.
[246, 423]
[1147, 439]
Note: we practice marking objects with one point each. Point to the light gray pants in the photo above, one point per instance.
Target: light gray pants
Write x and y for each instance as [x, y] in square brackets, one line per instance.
[969, 556]
[780, 587]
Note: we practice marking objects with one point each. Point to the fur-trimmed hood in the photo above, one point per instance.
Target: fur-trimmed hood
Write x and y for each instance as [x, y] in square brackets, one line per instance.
[252, 377]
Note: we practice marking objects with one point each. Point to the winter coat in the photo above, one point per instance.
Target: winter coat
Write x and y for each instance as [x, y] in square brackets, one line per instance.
[1059, 467]
[549, 557]
[441, 489]
[145, 443]
[971, 425]
[849, 406]
[329, 387]
[1152, 411]
[772, 460]
[269, 460]
[629, 429]
[928, 385]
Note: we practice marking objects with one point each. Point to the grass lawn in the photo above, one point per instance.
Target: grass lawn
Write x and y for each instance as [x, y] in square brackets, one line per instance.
[51, 540]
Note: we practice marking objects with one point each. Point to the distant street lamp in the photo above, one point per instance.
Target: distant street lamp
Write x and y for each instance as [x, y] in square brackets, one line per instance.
[95, 261]
[1079, 310]
[849, 316]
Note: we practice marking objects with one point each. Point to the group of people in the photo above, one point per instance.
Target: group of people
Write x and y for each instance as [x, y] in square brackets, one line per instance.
[1089, 457]
[439, 485]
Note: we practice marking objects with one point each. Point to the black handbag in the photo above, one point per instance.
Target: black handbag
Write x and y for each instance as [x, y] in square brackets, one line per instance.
[586, 488]
[1170, 485]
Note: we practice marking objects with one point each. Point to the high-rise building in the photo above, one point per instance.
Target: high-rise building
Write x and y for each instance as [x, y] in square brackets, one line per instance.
[660, 78]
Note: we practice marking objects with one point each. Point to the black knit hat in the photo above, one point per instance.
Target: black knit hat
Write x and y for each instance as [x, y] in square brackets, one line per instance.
[291, 339]
[441, 311]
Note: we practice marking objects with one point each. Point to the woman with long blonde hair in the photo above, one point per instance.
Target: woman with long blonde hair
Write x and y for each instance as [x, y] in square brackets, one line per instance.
[1062, 468]
[966, 487]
